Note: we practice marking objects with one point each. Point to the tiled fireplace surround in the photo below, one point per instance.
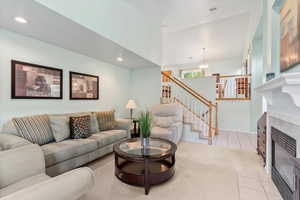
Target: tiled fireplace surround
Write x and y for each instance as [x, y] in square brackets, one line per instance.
[283, 110]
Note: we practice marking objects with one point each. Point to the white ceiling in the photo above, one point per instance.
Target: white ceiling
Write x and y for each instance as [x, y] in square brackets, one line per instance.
[46, 25]
[188, 26]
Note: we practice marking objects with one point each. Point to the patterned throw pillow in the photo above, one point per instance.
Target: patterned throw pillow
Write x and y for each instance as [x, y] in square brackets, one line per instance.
[80, 126]
[106, 120]
[36, 129]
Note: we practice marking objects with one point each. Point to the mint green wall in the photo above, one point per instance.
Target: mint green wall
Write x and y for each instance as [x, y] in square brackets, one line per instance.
[257, 80]
[275, 42]
[145, 87]
[134, 25]
[114, 81]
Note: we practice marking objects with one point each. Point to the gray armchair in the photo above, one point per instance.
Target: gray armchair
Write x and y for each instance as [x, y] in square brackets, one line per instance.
[22, 176]
[167, 122]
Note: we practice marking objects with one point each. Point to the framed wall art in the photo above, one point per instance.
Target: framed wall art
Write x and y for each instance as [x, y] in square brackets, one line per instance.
[289, 35]
[84, 86]
[31, 81]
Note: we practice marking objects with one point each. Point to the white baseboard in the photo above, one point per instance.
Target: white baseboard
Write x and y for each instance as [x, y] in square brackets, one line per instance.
[235, 131]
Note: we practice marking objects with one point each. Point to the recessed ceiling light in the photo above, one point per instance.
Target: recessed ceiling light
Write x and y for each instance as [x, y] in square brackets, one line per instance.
[120, 59]
[21, 20]
[213, 9]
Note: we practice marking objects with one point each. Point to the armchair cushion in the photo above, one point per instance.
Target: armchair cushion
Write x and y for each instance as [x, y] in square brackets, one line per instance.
[14, 164]
[158, 131]
[168, 122]
[164, 122]
[9, 141]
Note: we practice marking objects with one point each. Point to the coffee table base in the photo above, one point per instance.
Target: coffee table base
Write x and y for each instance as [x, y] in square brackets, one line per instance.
[145, 173]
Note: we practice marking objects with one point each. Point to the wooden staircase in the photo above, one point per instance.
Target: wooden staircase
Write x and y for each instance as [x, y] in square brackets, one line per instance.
[199, 112]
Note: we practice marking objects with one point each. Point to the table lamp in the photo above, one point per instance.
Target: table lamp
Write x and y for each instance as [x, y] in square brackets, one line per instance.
[131, 105]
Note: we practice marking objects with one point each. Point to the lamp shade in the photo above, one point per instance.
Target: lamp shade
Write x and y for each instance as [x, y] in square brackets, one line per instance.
[131, 104]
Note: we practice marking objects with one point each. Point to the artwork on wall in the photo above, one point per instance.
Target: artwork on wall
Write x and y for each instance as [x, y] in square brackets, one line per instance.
[289, 35]
[31, 81]
[84, 86]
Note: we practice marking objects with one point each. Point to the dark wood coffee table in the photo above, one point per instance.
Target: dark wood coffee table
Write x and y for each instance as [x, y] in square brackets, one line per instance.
[140, 166]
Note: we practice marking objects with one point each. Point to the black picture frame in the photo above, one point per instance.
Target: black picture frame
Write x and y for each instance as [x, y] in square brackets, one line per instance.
[71, 74]
[14, 80]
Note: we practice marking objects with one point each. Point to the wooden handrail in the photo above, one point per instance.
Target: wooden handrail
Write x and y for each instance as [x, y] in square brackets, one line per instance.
[195, 114]
[228, 76]
[212, 128]
[188, 89]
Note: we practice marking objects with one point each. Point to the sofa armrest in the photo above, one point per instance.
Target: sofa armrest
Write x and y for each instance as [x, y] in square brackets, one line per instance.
[10, 141]
[69, 186]
[20, 163]
[124, 124]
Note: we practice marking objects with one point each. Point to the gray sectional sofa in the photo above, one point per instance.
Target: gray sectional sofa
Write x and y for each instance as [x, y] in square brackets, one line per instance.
[69, 153]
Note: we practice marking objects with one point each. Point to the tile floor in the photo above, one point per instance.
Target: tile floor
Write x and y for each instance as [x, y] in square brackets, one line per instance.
[235, 140]
[252, 187]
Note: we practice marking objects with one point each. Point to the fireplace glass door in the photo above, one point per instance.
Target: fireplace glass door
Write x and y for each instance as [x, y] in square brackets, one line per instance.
[285, 166]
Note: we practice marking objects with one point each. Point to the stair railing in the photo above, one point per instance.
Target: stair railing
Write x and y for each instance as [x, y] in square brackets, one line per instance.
[233, 87]
[202, 112]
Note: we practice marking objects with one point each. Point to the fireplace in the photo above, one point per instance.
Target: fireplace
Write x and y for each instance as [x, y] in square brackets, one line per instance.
[283, 166]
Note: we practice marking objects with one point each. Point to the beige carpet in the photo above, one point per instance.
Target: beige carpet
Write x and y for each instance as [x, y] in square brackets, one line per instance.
[202, 173]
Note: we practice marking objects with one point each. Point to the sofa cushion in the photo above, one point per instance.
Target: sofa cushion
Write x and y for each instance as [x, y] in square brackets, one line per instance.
[36, 129]
[80, 127]
[108, 137]
[60, 127]
[106, 120]
[23, 184]
[67, 149]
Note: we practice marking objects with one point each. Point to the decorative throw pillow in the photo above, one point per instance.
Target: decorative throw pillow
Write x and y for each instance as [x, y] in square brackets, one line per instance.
[94, 127]
[36, 129]
[106, 120]
[80, 127]
[60, 127]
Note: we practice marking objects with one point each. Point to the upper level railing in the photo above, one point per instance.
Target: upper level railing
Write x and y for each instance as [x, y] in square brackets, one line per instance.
[174, 90]
[233, 87]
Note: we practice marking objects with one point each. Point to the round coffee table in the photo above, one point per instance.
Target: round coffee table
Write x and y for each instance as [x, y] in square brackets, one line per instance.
[147, 166]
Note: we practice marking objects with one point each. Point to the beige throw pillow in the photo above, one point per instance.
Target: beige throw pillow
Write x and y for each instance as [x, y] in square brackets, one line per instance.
[60, 125]
[94, 126]
[106, 120]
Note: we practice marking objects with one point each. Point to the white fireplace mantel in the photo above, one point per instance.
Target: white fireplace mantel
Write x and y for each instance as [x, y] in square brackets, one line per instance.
[288, 83]
[283, 109]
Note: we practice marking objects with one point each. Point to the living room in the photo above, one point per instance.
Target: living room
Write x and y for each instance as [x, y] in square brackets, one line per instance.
[149, 100]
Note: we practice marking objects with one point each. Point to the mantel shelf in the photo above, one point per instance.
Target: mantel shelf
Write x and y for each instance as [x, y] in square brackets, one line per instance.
[288, 83]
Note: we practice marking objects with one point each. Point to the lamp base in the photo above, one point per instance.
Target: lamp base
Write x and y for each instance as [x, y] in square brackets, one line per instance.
[131, 112]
